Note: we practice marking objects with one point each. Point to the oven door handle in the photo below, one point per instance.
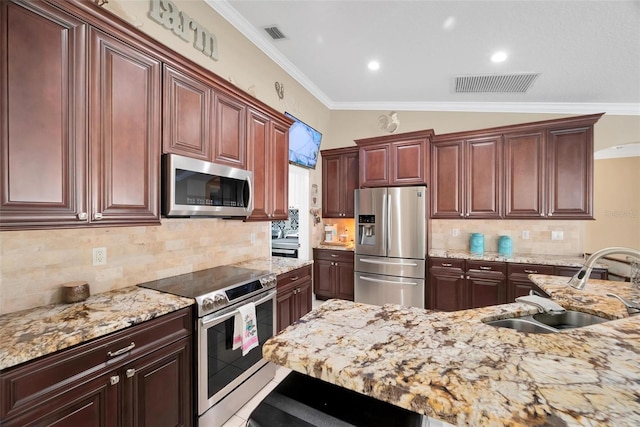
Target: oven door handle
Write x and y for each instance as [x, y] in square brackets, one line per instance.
[226, 316]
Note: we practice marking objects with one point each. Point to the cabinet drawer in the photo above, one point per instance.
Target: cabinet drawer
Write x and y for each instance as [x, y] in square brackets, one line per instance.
[329, 255]
[526, 269]
[44, 379]
[294, 276]
[447, 263]
[487, 266]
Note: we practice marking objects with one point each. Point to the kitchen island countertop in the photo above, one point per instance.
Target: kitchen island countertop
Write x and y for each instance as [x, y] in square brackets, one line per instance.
[453, 367]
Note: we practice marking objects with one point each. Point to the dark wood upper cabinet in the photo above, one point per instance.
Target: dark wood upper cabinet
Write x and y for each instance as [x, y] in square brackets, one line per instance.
[187, 105]
[230, 137]
[531, 170]
[268, 145]
[43, 142]
[339, 181]
[394, 160]
[466, 177]
[125, 94]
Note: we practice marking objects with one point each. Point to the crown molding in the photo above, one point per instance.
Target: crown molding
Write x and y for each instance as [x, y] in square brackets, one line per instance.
[230, 14]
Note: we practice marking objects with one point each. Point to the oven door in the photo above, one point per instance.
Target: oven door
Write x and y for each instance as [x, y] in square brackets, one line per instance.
[220, 368]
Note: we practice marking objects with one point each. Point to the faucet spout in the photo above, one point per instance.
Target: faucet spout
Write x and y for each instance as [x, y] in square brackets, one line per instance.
[579, 280]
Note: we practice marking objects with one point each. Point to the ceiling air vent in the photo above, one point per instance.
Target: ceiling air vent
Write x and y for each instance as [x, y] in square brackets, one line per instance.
[495, 83]
[275, 32]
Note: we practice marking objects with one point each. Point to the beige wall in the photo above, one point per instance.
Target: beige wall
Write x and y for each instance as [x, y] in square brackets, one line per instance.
[34, 263]
[616, 205]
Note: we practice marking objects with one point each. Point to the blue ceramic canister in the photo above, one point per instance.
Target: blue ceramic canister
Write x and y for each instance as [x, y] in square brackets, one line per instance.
[476, 244]
[505, 246]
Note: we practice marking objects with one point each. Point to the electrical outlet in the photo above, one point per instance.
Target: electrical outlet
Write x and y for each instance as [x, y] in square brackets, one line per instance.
[99, 256]
[252, 238]
[525, 234]
[557, 235]
[455, 232]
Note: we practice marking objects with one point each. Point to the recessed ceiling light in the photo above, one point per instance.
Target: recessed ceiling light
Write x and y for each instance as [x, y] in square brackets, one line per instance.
[499, 56]
[373, 65]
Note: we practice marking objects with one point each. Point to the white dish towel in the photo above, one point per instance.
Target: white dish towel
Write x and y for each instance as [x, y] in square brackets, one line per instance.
[245, 328]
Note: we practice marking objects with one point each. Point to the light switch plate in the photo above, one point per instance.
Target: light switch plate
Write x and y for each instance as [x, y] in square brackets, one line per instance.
[525, 234]
[455, 232]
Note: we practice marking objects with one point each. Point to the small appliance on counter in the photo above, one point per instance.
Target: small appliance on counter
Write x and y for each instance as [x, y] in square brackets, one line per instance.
[476, 244]
[331, 233]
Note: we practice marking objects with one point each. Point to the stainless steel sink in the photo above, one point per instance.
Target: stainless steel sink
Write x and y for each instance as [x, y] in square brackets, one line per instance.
[568, 319]
[545, 323]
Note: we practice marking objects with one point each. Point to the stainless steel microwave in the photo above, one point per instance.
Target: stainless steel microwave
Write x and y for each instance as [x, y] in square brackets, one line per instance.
[194, 187]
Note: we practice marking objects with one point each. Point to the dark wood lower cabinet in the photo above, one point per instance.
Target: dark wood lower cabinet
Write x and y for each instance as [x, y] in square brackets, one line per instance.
[294, 296]
[457, 284]
[149, 385]
[333, 273]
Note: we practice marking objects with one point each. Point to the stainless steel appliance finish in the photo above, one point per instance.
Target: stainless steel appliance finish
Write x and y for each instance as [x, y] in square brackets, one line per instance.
[286, 247]
[226, 380]
[193, 187]
[390, 245]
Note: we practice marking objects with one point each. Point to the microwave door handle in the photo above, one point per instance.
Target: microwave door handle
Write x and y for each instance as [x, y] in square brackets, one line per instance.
[226, 316]
[250, 201]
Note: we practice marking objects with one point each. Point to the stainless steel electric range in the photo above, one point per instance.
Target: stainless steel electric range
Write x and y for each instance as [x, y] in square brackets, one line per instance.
[225, 379]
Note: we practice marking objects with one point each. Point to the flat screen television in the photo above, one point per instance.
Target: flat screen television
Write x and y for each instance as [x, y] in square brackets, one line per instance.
[304, 144]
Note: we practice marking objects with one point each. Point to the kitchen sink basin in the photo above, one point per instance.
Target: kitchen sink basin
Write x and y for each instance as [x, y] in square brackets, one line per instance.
[544, 323]
[568, 319]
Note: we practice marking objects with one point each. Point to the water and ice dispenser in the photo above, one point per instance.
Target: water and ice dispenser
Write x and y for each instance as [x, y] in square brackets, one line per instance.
[367, 230]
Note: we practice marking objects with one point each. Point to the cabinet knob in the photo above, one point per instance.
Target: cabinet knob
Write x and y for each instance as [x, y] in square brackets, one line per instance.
[97, 216]
[550, 214]
[461, 214]
[114, 379]
[82, 216]
[467, 214]
[130, 372]
[541, 213]
[462, 276]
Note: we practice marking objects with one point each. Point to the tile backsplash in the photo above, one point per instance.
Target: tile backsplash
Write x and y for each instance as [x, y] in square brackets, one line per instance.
[288, 226]
[34, 263]
[539, 241]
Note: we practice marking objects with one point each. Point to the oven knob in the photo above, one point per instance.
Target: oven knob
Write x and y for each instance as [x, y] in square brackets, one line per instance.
[219, 300]
[207, 304]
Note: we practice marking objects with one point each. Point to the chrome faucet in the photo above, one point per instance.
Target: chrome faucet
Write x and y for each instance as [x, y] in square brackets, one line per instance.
[579, 281]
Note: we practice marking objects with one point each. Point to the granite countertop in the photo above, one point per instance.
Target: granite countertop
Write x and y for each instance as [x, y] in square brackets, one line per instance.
[453, 367]
[559, 260]
[28, 334]
[276, 264]
[35, 332]
[345, 247]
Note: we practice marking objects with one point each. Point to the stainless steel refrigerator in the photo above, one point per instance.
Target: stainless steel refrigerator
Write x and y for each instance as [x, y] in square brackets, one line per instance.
[391, 245]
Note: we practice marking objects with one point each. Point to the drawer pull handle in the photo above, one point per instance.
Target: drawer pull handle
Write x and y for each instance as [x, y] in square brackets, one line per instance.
[130, 372]
[482, 267]
[447, 264]
[114, 379]
[531, 271]
[335, 256]
[294, 278]
[121, 351]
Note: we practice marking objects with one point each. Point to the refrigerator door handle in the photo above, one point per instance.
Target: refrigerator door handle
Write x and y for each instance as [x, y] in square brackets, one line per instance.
[375, 261]
[388, 224]
[371, 279]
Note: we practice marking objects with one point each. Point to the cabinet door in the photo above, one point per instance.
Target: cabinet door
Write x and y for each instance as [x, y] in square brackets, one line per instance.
[374, 165]
[43, 119]
[570, 173]
[524, 159]
[344, 280]
[92, 404]
[279, 160]
[304, 297]
[157, 388]
[596, 273]
[125, 132]
[285, 310]
[324, 282]
[187, 114]
[486, 290]
[447, 290]
[447, 180]
[259, 154]
[483, 177]
[332, 192]
[350, 163]
[230, 140]
[408, 162]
